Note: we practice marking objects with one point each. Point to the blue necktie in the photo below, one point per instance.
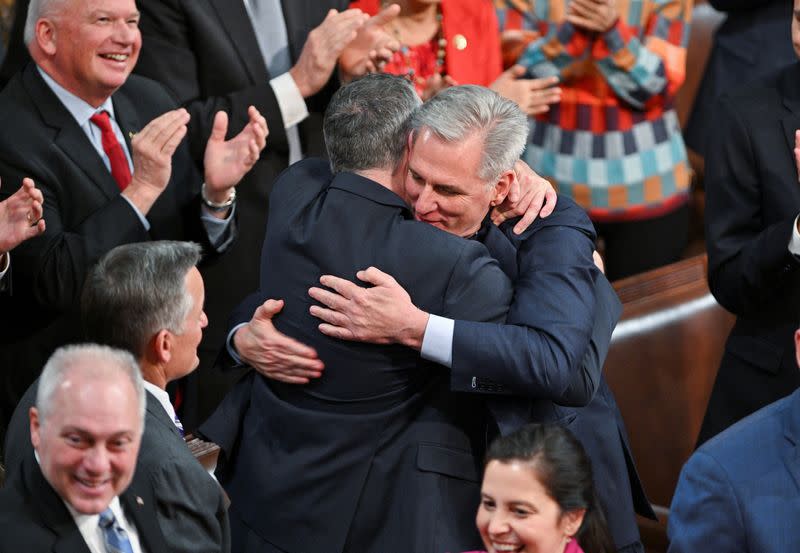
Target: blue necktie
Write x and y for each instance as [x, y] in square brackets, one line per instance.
[179, 426]
[116, 539]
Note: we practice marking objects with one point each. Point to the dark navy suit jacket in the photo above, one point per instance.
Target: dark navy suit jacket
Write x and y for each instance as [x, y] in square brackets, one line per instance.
[740, 492]
[377, 454]
[752, 200]
[549, 362]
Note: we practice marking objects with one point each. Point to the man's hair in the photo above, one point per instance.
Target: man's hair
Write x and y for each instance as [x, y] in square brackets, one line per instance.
[135, 291]
[366, 123]
[89, 359]
[457, 112]
[36, 10]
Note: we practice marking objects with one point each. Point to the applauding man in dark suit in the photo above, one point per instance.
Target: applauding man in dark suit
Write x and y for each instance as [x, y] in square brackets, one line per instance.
[106, 151]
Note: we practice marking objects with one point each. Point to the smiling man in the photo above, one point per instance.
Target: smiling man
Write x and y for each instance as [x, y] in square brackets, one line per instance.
[73, 495]
[106, 150]
[159, 282]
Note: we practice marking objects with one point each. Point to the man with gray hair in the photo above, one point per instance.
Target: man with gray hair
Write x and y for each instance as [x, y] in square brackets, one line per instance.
[378, 408]
[147, 298]
[76, 493]
[106, 150]
[462, 143]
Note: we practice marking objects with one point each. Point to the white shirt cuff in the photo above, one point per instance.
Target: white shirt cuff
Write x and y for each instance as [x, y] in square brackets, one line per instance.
[230, 347]
[290, 101]
[142, 218]
[794, 243]
[5, 263]
[437, 343]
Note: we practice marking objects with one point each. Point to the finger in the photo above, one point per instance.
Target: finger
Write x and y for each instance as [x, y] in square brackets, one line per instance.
[517, 71]
[797, 162]
[550, 199]
[543, 83]
[297, 365]
[329, 316]
[343, 286]
[160, 124]
[36, 211]
[531, 212]
[327, 298]
[268, 309]
[376, 277]
[336, 332]
[220, 127]
[174, 140]
[581, 22]
[386, 15]
[281, 376]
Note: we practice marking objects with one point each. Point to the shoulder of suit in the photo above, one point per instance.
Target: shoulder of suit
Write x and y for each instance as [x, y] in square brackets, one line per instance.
[143, 89]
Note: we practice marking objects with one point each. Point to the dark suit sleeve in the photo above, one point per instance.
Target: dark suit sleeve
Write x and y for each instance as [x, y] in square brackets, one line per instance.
[705, 512]
[542, 345]
[58, 260]
[749, 264]
[191, 514]
[169, 55]
[478, 288]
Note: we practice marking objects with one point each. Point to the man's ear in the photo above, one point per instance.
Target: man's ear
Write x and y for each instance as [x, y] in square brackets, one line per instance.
[503, 185]
[36, 426]
[45, 36]
[797, 346]
[162, 346]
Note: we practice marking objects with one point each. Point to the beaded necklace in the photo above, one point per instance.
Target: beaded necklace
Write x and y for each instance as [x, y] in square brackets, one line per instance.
[407, 64]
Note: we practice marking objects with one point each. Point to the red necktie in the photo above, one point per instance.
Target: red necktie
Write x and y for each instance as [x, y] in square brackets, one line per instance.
[113, 149]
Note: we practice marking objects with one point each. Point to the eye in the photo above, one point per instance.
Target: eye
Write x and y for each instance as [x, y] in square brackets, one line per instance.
[119, 444]
[75, 440]
[488, 504]
[446, 191]
[521, 512]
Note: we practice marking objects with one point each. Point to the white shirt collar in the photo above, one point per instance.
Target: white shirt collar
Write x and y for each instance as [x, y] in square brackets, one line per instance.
[78, 108]
[163, 398]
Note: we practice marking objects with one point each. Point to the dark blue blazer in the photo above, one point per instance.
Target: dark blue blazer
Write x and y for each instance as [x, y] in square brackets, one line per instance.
[561, 301]
[752, 200]
[378, 445]
[740, 492]
[754, 40]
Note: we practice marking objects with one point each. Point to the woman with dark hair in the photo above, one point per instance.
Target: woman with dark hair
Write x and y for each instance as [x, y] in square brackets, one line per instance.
[538, 495]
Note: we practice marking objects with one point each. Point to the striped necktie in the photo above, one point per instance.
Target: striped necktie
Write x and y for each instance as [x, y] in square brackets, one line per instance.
[115, 538]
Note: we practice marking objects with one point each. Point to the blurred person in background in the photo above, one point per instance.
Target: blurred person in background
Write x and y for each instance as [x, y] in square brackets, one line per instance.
[613, 143]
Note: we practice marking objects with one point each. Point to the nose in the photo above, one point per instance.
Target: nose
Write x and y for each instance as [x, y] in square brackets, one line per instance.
[96, 460]
[425, 202]
[125, 32]
[498, 524]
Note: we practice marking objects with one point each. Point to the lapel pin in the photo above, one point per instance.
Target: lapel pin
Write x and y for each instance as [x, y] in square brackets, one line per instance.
[140, 501]
[131, 134]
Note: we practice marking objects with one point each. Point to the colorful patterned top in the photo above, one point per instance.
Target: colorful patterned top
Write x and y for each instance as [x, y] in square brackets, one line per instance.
[614, 143]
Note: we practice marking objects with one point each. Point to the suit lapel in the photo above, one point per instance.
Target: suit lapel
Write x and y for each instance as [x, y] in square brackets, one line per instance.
[792, 436]
[127, 117]
[70, 139]
[789, 89]
[234, 17]
[139, 504]
[157, 412]
[55, 515]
